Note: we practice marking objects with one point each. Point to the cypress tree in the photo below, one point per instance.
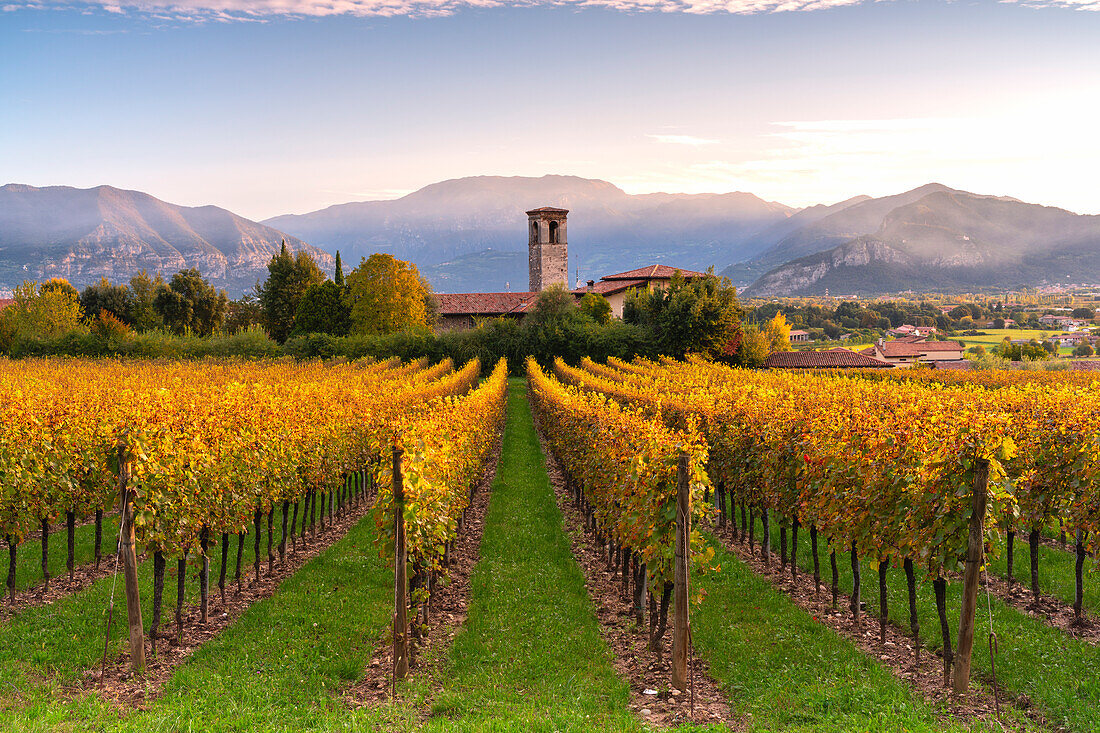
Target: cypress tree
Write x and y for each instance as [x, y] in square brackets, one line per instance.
[339, 277]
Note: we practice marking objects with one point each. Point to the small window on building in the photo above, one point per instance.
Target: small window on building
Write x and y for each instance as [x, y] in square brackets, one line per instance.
[534, 231]
[553, 232]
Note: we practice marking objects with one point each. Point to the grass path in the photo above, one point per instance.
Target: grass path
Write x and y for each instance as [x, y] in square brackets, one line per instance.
[530, 656]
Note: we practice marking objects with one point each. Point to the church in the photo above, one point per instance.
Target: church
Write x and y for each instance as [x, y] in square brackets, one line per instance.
[548, 264]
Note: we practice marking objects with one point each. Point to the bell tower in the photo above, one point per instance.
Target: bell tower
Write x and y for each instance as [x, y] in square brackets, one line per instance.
[547, 248]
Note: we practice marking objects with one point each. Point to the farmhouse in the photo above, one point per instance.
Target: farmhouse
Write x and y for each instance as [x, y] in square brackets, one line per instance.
[547, 260]
[908, 330]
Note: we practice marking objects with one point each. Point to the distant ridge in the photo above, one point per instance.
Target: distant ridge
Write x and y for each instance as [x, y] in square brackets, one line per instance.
[85, 234]
[609, 230]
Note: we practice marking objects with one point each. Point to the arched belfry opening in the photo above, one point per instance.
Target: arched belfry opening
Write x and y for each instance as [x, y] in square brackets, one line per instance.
[548, 248]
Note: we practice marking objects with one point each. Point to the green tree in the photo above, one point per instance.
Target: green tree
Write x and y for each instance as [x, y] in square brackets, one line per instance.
[701, 315]
[595, 307]
[1084, 313]
[144, 315]
[117, 300]
[243, 314]
[288, 279]
[1083, 349]
[387, 295]
[43, 314]
[338, 278]
[189, 303]
[323, 309]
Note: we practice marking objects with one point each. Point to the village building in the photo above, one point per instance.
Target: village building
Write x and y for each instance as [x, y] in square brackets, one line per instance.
[798, 336]
[830, 359]
[548, 264]
[908, 330]
[907, 352]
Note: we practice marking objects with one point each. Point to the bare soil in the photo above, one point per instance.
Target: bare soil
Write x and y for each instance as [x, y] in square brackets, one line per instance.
[116, 683]
[1050, 610]
[652, 697]
[60, 586]
[897, 654]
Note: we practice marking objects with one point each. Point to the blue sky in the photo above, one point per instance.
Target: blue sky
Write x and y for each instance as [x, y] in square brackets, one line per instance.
[278, 106]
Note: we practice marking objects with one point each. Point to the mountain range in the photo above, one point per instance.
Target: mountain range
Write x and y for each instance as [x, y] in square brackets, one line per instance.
[469, 235]
[83, 235]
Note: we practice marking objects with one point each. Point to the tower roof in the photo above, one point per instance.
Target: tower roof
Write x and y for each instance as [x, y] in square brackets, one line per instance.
[547, 210]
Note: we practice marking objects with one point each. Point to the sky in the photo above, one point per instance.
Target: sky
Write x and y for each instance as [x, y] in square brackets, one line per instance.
[268, 107]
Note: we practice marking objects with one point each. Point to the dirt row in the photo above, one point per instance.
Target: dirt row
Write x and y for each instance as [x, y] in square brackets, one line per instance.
[652, 697]
[450, 603]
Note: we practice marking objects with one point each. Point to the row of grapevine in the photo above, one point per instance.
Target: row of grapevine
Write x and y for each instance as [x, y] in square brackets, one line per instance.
[880, 468]
[198, 451]
[441, 448]
[623, 468]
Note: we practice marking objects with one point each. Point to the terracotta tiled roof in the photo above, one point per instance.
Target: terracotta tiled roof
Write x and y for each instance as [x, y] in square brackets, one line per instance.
[484, 304]
[653, 272]
[607, 287]
[839, 359]
[903, 348]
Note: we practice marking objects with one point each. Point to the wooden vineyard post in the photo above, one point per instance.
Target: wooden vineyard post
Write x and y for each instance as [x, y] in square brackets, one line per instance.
[975, 548]
[681, 630]
[400, 582]
[129, 564]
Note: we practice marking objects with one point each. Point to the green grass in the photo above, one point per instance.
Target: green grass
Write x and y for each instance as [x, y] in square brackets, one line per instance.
[45, 649]
[28, 563]
[530, 656]
[786, 671]
[1057, 576]
[1059, 674]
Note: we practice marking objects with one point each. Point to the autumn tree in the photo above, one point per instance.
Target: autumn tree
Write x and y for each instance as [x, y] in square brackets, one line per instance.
[43, 313]
[289, 277]
[386, 295]
[596, 307]
[778, 334]
[189, 303]
[58, 285]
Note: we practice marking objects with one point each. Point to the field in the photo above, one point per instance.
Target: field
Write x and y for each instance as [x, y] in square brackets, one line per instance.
[539, 523]
[994, 336]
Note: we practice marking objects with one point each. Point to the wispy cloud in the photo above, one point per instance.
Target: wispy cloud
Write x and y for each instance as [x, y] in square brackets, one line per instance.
[245, 10]
[682, 140]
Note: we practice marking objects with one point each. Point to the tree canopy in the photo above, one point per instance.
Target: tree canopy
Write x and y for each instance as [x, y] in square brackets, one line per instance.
[289, 277]
[701, 315]
[323, 309]
[387, 295]
[188, 302]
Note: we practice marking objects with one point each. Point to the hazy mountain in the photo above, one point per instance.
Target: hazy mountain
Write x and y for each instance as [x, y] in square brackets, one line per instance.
[470, 222]
[85, 234]
[945, 240]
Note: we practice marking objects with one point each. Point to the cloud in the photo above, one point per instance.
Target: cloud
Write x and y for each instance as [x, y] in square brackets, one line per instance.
[682, 140]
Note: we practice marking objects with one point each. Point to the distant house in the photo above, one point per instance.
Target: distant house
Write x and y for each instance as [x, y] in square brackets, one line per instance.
[615, 287]
[831, 359]
[907, 353]
[1070, 339]
[1055, 321]
[908, 330]
[799, 336]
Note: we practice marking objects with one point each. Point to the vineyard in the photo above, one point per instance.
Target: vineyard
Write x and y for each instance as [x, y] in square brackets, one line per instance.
[331, 530]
